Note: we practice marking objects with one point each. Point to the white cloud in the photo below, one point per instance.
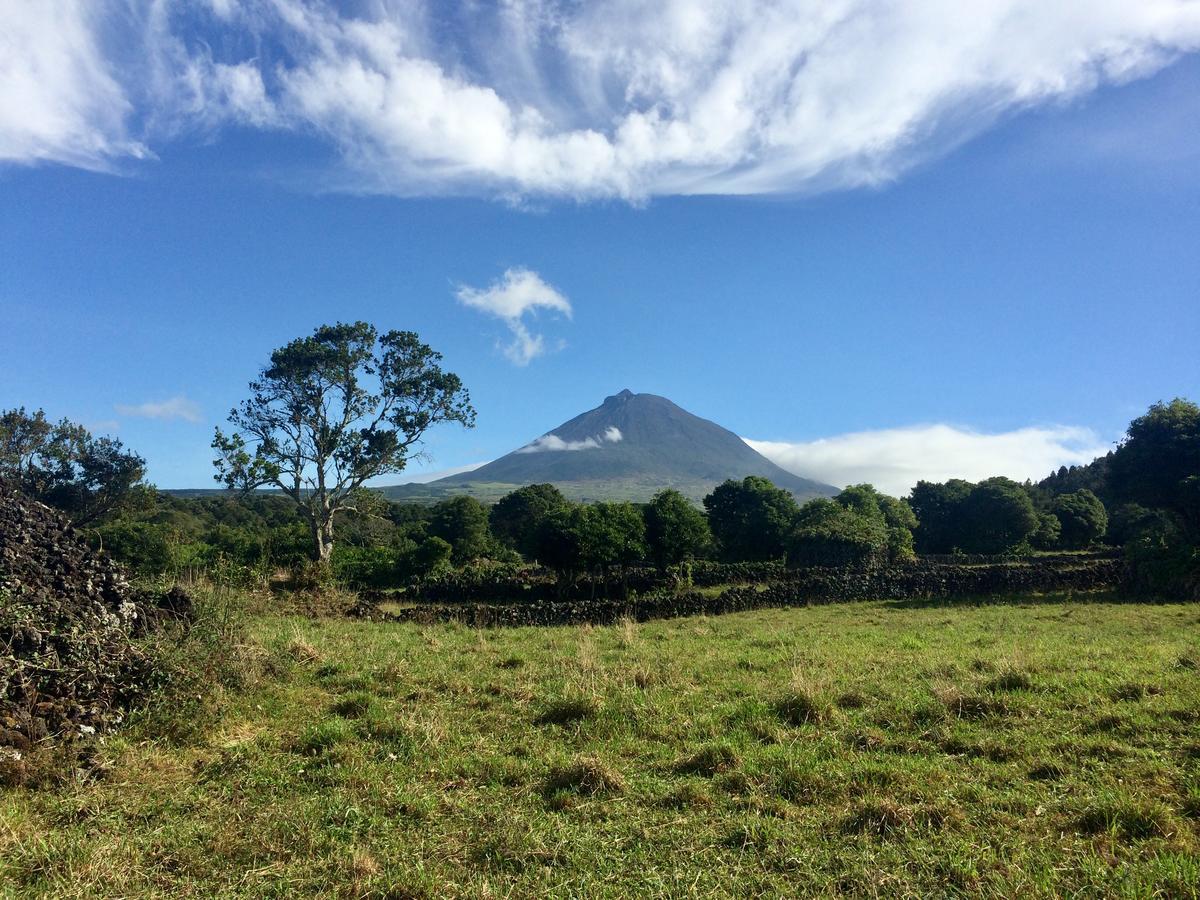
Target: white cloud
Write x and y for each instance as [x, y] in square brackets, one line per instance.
[552, 442]
[176, 408]
[612, 98]
[518, 292]
[60, 100]
[896, 459]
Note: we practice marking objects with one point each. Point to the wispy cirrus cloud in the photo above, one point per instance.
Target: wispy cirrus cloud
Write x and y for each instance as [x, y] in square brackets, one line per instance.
[178, 407]
[895, 459]
[61, 99]
[613, 98]
[519, 292]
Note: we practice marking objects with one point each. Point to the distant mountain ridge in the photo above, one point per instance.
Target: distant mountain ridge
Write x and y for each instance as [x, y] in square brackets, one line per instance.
[628, 448]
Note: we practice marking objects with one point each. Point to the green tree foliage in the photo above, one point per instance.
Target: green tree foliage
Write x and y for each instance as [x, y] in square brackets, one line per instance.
[64, 466]
[1082, 517]
[144, 547]
[997, 517]
[1164, 559]
[517, 516]
[895, 515]
[1161, 449]
[1094, 476]
[1049, 532]
[831, 533]
[938, 508]
[1157, 467]
[462, 522]
[582, 538]
[675, 529]
[432, 556]
[1129, 519]
[333, 410]
[751, 520]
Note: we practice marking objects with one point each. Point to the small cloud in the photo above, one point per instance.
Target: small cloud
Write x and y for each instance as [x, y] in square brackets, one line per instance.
[179, 407]
[551, 442]
[518, 292]
[895, 459]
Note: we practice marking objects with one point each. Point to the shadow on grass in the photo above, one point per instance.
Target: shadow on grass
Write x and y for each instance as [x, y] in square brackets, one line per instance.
[1056, 598]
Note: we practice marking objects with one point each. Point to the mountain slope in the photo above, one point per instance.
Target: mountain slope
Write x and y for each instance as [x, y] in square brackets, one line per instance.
[629, 447]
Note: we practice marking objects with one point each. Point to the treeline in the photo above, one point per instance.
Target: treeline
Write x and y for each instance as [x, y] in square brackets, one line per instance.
[1144, 496]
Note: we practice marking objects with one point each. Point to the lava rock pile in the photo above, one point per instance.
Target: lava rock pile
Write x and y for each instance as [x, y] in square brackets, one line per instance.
[70, 661]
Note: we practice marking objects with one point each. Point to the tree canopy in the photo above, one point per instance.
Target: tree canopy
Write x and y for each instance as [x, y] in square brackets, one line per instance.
[938, 509]
[675, 529]
[1161, 449]
[517, 516]
[830, 533]
[750, 519]
[333, 410]
[1082, 518]
[462, 522]
[65, 466]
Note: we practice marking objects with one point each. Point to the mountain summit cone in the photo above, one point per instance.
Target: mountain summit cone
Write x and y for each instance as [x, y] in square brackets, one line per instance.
[628, 448]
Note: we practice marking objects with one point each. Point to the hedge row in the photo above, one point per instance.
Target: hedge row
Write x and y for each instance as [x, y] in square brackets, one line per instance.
[803, 588]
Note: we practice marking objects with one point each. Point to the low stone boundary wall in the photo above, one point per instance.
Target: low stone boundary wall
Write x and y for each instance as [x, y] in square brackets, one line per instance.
[802, 588]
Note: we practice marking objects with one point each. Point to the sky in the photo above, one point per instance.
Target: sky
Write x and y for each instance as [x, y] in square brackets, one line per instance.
[880, 241]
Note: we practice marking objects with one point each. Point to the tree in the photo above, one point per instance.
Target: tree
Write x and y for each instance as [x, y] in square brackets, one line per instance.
[89, 478]
[516, 517]
[332, 411]
[750, 519]
[1082, 517]
[831, 533]
[1161, 449]
[675, 529]
[578, 538]
[617, 534]
[432, 556]
[462, 522]
[997, 517]
[1049, 532]
[895, 515]
[938, 508]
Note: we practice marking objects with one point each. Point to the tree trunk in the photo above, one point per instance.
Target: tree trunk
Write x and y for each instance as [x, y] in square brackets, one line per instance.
[322, 541]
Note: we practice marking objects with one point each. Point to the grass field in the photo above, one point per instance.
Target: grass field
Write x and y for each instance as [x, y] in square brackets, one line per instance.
[1021, 748]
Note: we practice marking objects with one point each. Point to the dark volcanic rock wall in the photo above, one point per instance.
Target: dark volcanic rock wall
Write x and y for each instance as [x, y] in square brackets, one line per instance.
[69, 663]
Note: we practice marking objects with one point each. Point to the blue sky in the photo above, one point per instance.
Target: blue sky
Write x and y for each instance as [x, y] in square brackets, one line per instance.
[999, 288]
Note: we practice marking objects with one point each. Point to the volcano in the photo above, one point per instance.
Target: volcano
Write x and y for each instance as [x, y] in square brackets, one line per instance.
[628, 448]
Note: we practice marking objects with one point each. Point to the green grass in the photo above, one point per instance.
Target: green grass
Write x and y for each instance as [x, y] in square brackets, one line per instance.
[1032, 749]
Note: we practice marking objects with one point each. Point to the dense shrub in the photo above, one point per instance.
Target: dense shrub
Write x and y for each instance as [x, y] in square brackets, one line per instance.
[675, 529]
[830, 534]
[750, 519]
[517, 516]
[1082, 517]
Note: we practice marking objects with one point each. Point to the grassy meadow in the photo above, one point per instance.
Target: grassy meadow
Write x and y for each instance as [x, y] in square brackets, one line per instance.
[1031, 747]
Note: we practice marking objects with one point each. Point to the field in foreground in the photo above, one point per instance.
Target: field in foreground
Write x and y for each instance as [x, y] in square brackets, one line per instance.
[1038, 747]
